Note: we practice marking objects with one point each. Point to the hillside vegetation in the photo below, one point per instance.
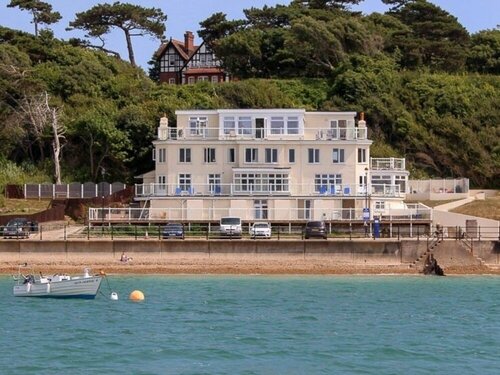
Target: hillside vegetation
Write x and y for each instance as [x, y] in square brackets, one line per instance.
[439, 107]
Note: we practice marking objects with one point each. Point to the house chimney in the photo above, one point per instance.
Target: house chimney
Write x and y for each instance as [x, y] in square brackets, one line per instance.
[189, 41]
[163, 128]
[362, 122]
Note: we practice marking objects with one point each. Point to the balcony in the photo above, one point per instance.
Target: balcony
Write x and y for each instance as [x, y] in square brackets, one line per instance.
[253, 189]
[250, 133]
[388, 164]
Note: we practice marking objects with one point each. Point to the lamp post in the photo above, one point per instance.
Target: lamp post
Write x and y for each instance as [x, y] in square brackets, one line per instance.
[103, 172]
[366, 209]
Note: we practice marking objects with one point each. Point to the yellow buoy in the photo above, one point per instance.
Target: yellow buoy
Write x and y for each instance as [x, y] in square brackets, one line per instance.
[136, 295]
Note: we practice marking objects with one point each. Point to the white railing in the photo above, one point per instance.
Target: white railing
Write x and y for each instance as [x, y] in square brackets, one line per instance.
[105, 215]
[439, 186]
[215, 133]
[341, 190]
[397, 164]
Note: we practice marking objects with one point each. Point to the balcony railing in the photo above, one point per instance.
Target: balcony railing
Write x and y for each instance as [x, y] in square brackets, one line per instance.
[215, 133]
[284, 189]
[417, 212]
[383, 164]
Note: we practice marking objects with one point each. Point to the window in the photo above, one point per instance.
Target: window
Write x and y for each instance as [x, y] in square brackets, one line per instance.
[361, 155]
[162, 157]
[271, 155]
[262, 183]
[185, 155]
[185, 181]
[293, 125]
[229, 125]
[260, 206]
[291, 155]
[153, 156]
[313, 155]
[191, 80]
[324, 183]
[401, 181]
[202, 79]
[214, 183]
[338, 155]
[245, 125]
[198, 125]
[380, 205]
[209, 155]
[277, 125]
[162, 185]
[251, 155]
[231, 156]
[171, 81]
[215, 79]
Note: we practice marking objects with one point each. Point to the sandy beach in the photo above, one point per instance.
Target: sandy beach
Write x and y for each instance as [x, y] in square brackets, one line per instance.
[55, 263]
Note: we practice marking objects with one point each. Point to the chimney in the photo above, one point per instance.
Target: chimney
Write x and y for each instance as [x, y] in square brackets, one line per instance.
[163, 128]
[362, 122]
[189, 41]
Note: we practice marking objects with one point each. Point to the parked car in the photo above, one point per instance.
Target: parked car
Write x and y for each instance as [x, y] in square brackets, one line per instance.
[230, 226]
[315, 229]
[173, 230]
[20, 227]
[260, 229]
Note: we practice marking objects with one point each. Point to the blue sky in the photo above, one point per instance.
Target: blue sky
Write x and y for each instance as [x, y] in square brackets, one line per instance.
[185, 15]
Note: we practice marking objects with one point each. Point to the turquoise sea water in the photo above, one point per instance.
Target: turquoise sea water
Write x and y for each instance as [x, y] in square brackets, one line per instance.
[259, 325]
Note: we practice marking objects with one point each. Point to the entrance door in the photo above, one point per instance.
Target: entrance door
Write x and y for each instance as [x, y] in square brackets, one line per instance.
[260, 206]
[259, 128]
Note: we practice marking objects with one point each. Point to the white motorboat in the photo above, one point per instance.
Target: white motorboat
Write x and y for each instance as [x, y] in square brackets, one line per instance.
[57, 286]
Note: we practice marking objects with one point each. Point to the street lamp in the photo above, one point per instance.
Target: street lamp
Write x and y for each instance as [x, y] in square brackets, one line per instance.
[366, 187]
[366, 209]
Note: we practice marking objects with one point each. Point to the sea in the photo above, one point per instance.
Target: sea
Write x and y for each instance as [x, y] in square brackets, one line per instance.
[258, 325]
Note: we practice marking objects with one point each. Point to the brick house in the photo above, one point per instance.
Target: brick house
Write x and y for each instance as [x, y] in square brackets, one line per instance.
[186, 63]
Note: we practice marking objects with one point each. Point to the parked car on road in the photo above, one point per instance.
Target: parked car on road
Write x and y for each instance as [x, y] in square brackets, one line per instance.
[173, 230]
[315, 229]
[230, 226]
[20, 227]
[260, 229]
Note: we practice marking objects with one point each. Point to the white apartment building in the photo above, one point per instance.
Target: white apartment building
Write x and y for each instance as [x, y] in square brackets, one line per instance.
[281, 165]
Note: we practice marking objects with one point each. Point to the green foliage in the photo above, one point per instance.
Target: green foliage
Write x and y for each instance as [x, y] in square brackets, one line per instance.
[484, 53]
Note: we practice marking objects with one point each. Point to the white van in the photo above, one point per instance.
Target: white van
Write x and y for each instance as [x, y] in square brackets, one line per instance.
[230, 226]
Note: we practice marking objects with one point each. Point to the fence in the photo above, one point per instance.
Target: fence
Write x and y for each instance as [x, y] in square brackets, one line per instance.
[438, 189]
[51, 214]
[63, 191]
[207, 231]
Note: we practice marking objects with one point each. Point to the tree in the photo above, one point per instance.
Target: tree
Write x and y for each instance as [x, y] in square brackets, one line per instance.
[41, 116]
[41, 11]
[217, 27]
[133, 20]
[326, 4]
[484, 53]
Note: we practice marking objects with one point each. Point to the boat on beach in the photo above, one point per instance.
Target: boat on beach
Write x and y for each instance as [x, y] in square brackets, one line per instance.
[56, 286]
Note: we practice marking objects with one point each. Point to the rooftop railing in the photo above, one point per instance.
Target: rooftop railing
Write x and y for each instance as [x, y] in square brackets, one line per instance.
[381, 164]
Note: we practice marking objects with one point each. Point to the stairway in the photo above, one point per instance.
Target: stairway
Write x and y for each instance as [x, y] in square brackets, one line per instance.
[433, 243]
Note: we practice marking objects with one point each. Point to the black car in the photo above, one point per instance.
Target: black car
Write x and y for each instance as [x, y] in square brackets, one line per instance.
[315, 229]
[173, 230]
[19, 227]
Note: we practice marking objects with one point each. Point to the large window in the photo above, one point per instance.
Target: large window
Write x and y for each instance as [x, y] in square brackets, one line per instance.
[284, 125]
[324, 183]
[338, 155]
[197, 125]
[264, 183]
[185, 155]
[229, 125]
[260, 206]
[401, 181]
[313, 155]
[271, 155]
[185, 182]
[245, 125]
[209, 155]
[251, 155]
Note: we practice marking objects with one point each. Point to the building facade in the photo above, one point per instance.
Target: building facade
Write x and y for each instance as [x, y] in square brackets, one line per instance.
[186, 63]
[281, 165]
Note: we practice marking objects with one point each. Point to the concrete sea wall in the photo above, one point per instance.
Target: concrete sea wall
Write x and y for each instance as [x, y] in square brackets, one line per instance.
[359, 252]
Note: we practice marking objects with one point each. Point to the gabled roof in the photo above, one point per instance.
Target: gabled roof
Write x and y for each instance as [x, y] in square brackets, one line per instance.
[179, 47]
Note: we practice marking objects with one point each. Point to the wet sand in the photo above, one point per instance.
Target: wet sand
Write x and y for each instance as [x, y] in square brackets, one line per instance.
[197, 265]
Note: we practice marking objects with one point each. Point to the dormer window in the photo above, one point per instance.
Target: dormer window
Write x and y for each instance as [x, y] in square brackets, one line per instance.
[198, 125]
